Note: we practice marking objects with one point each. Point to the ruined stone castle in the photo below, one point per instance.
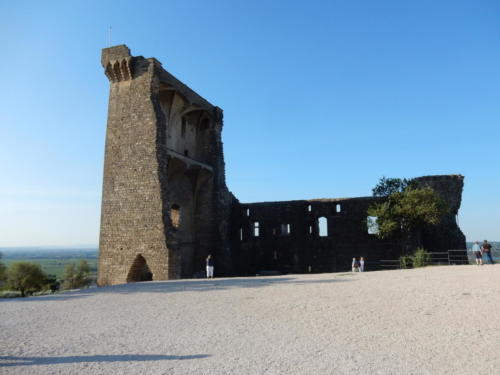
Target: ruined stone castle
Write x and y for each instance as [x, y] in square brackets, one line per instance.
[165, 203]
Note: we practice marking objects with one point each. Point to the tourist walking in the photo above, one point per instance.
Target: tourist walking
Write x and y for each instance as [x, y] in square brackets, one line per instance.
[355, 265]
[476, 250]
[361, 264]
[486, 250]
[210, 267]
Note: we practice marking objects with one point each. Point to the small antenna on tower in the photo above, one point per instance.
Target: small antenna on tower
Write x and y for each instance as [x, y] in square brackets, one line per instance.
[109, 36]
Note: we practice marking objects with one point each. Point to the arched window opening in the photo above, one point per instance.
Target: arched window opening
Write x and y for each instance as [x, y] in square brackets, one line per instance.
[256, 229]
[241, 234]
[247, 212]
[309, 208]
[183, 127]
[338, 208]
[175, 215]
[323, 227]
[310, 229]
[139, 271]
[372, 224]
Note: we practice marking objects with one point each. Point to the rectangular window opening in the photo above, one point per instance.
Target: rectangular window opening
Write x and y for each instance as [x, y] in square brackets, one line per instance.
[323, 227]
[372, 224]
[256, 232]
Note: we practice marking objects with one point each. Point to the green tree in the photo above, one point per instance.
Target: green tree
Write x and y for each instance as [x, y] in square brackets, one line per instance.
[76, 276]
[69, 276]
[403, 212]
[387, 186]
[25, 277]
[83, 274]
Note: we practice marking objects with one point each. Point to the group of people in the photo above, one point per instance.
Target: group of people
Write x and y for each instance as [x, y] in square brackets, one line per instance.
[358, 266]
[482, 250]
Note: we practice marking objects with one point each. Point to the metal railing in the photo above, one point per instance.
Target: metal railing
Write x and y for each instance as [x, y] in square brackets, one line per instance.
[438, 258]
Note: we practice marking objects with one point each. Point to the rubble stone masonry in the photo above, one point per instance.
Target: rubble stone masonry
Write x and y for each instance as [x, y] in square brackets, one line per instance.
[165, 204]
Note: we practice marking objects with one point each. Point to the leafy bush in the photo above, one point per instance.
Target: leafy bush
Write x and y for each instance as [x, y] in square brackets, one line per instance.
[76, 276]
[10, 294]
[405, 262]
[420, 258]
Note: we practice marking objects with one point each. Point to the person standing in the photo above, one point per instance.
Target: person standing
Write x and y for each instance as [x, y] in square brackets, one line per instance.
[486, 250]
[361, 264]
[355, 265]
[476, 250]
[210, 267]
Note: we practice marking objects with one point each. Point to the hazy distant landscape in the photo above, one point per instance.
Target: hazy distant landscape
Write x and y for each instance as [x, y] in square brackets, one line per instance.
[52, 260]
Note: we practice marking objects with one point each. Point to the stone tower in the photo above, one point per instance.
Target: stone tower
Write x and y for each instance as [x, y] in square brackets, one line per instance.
[165, 204]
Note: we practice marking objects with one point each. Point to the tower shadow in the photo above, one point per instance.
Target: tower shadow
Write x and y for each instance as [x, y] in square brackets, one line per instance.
[10, 361]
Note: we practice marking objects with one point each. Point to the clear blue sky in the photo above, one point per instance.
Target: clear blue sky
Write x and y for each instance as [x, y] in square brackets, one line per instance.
[321, 99]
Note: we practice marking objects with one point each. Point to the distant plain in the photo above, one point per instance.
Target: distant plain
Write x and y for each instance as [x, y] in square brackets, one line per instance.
[52, 260]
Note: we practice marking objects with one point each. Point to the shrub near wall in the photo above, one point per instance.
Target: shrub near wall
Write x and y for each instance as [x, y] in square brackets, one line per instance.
[420, 258]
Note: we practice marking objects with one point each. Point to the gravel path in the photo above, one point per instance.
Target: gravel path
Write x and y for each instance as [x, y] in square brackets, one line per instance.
[437, 320]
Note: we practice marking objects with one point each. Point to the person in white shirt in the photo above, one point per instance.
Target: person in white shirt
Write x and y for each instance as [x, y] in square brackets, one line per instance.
[210, 267]
[476, 249]
[361, 264]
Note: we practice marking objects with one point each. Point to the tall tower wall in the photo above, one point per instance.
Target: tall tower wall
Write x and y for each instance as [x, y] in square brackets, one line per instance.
[164, 201]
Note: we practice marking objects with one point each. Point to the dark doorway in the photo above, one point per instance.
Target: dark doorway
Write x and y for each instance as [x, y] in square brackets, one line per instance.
[139, 271]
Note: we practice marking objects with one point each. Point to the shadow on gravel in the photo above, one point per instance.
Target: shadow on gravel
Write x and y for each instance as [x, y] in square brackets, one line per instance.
[204, 285]
[173, 286]
[53, 297]
[37, 361]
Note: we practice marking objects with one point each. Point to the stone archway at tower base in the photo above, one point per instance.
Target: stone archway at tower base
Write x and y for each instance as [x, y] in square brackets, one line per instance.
[139, 271]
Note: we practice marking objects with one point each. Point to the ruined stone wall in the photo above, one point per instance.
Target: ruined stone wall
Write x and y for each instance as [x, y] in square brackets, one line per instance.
[164, 193]
[301, 248]
[447, 234]
[165, 204]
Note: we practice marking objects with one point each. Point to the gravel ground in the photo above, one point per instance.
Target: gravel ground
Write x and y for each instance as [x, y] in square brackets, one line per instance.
[437, 320]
